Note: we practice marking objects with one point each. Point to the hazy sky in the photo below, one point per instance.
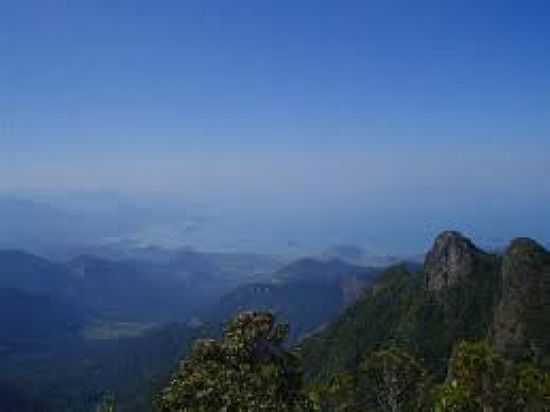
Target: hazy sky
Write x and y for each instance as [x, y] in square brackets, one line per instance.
[434, 107]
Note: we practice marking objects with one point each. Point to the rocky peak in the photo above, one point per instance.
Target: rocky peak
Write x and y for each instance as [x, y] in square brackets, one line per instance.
[523, 265]
[524, 246]
[522, 317]
[451, 258]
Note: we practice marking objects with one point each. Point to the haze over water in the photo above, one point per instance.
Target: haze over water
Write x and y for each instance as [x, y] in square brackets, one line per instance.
[256, 126]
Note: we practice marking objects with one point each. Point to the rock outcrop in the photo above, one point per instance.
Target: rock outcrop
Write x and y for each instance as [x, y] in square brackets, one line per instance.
[521, 327]
[452, 258]
[507, 297]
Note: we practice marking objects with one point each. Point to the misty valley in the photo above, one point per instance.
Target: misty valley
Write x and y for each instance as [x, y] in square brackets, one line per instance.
[74, 331]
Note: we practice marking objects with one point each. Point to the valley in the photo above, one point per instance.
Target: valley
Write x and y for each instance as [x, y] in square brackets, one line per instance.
[119, 326]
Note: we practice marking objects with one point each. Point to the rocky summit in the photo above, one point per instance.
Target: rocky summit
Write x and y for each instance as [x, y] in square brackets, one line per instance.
[521, 327]
[452, 258]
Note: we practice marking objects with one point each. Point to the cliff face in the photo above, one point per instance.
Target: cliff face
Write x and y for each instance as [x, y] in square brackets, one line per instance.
[521, 326]
[452, 258]
[507, 299]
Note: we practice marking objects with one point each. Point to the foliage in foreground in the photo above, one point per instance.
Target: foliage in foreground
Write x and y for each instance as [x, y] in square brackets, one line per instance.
[390, 379]
[247, 370]
[482, 380]
[393, 380]
[250, 370]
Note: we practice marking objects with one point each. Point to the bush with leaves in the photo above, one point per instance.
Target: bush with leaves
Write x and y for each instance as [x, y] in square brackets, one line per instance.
[247, 370]
[397, 380]
[390, 379]
[340, 394]
[480, 379]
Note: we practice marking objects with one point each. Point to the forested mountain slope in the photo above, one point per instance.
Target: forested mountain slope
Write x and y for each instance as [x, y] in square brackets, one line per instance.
[461, 293]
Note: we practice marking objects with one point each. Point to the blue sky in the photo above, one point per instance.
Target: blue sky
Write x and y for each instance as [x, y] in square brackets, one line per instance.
[320, 102]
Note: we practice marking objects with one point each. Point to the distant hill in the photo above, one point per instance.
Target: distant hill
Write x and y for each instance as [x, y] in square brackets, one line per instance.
[307, 293]
[121, 290]
[356, 255]
[65, 339]
[174, 289]
[235, 265]
[29, 321]
[35, 275]
[128, 290]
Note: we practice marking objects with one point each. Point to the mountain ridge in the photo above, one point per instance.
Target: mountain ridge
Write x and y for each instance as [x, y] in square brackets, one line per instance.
[432, 309]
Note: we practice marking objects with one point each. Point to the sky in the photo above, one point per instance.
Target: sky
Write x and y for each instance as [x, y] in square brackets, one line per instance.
[383, 112]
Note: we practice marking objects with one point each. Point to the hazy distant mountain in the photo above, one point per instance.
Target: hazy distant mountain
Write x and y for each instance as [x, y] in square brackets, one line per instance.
[74, 318]
[132, 291]
[307, 293]
[35, 275]
[171, 289]
[120, 290]
[358, 256]
[46, 308]
[233, 264]
[315, 271]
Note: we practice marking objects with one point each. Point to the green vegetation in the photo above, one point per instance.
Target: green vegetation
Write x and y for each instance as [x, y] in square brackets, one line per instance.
[398, 309]
[250, 370]
[405, 347]
[482, 380]
[247, 370]
[479, 379]
[388, 313]
[390, 379]
[522, 318]
[83, 375]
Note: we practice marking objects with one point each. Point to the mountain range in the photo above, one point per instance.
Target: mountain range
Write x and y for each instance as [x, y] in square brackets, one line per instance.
[121, 325]
[129, 320]
[306, 293]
